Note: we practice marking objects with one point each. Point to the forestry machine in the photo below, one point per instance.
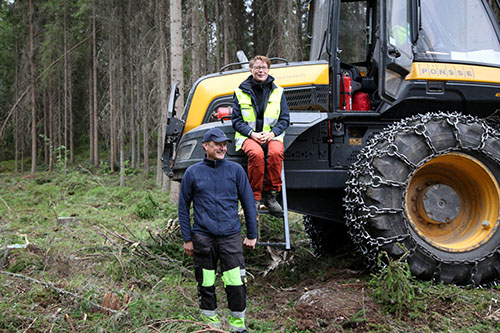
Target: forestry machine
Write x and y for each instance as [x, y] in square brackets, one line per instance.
[393, 135]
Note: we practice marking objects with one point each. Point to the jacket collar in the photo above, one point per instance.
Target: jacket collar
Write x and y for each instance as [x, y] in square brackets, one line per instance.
[213, 163]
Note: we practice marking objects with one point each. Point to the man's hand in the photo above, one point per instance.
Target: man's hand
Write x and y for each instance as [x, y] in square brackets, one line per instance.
[188, 248]
[250, 243]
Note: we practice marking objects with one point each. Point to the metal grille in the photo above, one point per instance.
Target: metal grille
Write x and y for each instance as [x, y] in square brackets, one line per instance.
[307, 98]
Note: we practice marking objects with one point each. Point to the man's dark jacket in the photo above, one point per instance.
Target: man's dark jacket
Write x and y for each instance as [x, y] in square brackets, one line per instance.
[259, 93]
[214, 188]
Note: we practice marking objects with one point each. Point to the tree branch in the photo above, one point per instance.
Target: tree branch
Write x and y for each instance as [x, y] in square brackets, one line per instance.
[60, 291]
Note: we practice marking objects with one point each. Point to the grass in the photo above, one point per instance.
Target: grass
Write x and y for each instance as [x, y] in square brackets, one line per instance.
[101, 256]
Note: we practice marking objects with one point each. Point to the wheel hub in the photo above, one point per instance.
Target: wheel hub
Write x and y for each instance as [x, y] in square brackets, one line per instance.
[441, 203]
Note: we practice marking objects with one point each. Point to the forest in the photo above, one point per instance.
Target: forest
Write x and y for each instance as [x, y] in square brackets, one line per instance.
[93, 77]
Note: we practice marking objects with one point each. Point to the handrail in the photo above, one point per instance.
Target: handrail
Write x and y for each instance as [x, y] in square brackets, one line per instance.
[247, 62]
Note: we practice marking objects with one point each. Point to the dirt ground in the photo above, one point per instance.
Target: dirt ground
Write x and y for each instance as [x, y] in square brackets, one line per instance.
[336, 302]
[336, 298]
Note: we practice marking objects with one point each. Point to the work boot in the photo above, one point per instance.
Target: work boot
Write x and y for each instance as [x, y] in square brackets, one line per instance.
[269, 200]
[211, 320]
[237, 324]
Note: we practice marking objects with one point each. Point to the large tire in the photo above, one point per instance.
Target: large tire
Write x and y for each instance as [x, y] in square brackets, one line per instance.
[431, 184]
[327, 237]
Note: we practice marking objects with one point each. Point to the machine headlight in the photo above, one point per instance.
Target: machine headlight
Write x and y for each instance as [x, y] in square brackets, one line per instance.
[186, 150]
[392, 83]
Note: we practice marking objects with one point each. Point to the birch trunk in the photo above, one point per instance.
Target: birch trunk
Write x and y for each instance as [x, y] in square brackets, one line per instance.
[176, 56]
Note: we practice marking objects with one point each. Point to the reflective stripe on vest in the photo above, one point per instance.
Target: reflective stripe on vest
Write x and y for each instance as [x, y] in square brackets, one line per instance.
[271, 114]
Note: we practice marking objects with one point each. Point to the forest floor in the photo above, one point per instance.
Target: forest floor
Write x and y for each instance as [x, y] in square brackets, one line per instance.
[116, 264]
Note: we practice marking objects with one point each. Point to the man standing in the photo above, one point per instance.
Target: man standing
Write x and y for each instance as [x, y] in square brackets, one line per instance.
[214, 187]
[260, 117]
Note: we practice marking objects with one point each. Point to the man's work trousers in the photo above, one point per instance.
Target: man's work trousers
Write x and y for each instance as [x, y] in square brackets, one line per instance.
[208, 250]
[257, 165]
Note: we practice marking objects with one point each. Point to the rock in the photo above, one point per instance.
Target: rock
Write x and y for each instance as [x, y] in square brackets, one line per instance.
[66, 220]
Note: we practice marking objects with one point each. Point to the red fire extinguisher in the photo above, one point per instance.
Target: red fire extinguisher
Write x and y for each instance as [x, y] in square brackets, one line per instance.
[346, 92]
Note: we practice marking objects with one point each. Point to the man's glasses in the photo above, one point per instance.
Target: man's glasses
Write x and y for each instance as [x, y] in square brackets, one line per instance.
[258, 68]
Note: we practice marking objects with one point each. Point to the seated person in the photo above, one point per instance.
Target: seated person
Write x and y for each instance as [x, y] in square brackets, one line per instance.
[260, 117]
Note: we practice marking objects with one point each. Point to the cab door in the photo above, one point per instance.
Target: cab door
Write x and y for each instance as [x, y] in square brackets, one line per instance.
[395, 50]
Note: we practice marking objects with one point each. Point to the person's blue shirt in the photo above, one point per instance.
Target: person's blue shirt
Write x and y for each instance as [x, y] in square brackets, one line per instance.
[214, 187]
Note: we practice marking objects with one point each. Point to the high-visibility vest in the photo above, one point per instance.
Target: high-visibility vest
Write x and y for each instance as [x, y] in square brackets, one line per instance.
[271, 114]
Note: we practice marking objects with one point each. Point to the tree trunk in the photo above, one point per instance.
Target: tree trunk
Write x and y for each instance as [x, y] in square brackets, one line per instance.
[91, 116]
[279, 32]
[112, 131]
[133, 160]
[32, 82]
[121, 100]
[162, 113]
[207, 37]
[176, 74]
[195, 41]
[145, 132]
[226, 31]
[238, 30]
[58, 126]
[94, 95]
[300, 32]
[71, 134]
[16, 112]
[65, 90]
[16, 141]
[51, 128]
[69, 96]
[217, 35]
[264, 13]
[45, 129]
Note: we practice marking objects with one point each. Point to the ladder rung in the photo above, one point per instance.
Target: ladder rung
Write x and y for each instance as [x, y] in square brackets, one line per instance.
[282, 245]
[267, 212]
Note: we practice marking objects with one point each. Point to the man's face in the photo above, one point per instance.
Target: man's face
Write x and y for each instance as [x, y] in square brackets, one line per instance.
[260, 71]
[215, 150]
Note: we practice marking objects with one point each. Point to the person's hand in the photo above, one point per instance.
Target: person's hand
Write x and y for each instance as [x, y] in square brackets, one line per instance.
[188, 248]
[258, 137]
[268, 136]
[250, 243]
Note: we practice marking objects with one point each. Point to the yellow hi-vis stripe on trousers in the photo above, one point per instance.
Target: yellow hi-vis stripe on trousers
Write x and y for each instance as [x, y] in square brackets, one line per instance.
[208, 277]
[232, 277]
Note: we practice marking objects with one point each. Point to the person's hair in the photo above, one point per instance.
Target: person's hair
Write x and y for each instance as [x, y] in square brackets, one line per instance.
[261, 58]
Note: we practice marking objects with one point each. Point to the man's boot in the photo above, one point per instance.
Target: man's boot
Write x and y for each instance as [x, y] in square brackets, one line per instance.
[269, 200]
[211, 320]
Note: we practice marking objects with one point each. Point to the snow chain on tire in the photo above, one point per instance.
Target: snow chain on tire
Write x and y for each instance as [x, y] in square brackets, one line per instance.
[377, 188]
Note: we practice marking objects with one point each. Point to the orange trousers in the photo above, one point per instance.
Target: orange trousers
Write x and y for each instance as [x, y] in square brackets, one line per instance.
[257, 166]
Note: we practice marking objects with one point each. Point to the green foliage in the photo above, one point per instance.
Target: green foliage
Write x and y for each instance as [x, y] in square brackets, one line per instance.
[22, 260]
[358, 318]
[103, 165]
[147, 208]
[130, 171]
[61, 154]
[393, 285]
